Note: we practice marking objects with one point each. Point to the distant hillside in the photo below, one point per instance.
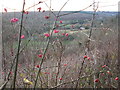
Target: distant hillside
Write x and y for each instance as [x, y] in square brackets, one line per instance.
[75, 16]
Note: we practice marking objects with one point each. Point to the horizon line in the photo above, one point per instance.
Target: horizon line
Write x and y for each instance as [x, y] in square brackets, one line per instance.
[61, 11]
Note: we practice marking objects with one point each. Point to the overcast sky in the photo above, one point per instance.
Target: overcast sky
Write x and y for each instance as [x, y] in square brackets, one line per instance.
[72, 5]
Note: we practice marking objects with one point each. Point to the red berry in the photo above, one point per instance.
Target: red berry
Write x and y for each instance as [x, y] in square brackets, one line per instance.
[65, 64]
[14, 20]
[47, 17]
[39, 9]
[60, 78]
[85, 56]
[40, 55]
[66, 34]
[23, 36]
[47, 34]
[96, 80]
[61, 22]
[56, 31]
[43, 11]
[116, 78]
[88, 58]
[38, 66]
[5, 9]
[103, 66]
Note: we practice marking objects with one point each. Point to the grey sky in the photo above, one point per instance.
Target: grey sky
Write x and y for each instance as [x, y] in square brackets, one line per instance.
[104, 5]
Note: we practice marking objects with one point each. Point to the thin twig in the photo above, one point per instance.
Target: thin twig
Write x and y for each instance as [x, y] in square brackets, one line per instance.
[63, 7]
[46, 48]
[75, 11]
[50, 9]
[74, 80]
[88, 43]
[48, 42]
[8, 76]
[19, 43]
